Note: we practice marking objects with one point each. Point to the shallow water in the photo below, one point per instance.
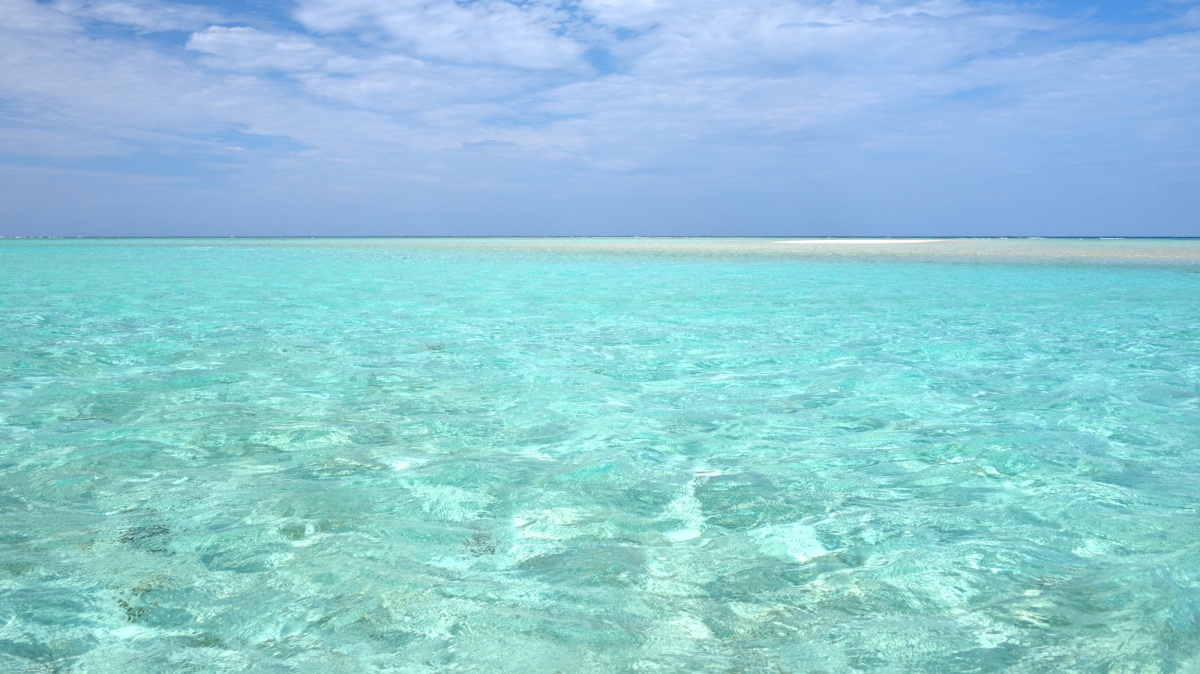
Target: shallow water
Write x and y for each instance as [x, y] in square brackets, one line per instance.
[599, 456]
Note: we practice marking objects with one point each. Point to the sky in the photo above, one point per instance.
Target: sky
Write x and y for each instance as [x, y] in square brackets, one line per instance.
[599, 117]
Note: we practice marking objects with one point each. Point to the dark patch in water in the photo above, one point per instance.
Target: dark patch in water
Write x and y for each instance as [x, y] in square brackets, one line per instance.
[603, 565]
[152, 538]
[479, 545]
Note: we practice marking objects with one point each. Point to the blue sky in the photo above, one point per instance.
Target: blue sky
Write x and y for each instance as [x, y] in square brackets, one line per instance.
[599, 117]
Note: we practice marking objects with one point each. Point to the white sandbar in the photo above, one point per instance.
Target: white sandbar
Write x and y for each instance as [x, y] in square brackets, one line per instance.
[853, 241]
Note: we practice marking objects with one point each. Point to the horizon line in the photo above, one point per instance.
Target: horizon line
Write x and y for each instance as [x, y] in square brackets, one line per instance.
[568, 236]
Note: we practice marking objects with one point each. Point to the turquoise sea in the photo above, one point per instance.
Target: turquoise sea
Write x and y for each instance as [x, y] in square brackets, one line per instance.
[599, 455]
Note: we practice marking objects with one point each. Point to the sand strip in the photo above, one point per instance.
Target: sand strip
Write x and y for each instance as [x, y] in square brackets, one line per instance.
[811, 242]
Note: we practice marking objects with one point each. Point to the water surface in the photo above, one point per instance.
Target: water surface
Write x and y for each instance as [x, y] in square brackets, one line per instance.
[599, 455]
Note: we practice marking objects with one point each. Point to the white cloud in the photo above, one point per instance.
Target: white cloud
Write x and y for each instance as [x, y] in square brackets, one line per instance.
[633, 14]
[244, 48]
[27, 17]
[482, 33]
[776, 37]
[147, 15]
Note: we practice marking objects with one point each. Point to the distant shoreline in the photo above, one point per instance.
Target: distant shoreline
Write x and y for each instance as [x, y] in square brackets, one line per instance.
[810, 242]
[782, 238]
[1076, 250]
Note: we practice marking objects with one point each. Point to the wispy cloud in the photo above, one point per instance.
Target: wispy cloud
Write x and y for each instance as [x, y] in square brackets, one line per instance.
[145, 15]
[526, 35]
[247, 49]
